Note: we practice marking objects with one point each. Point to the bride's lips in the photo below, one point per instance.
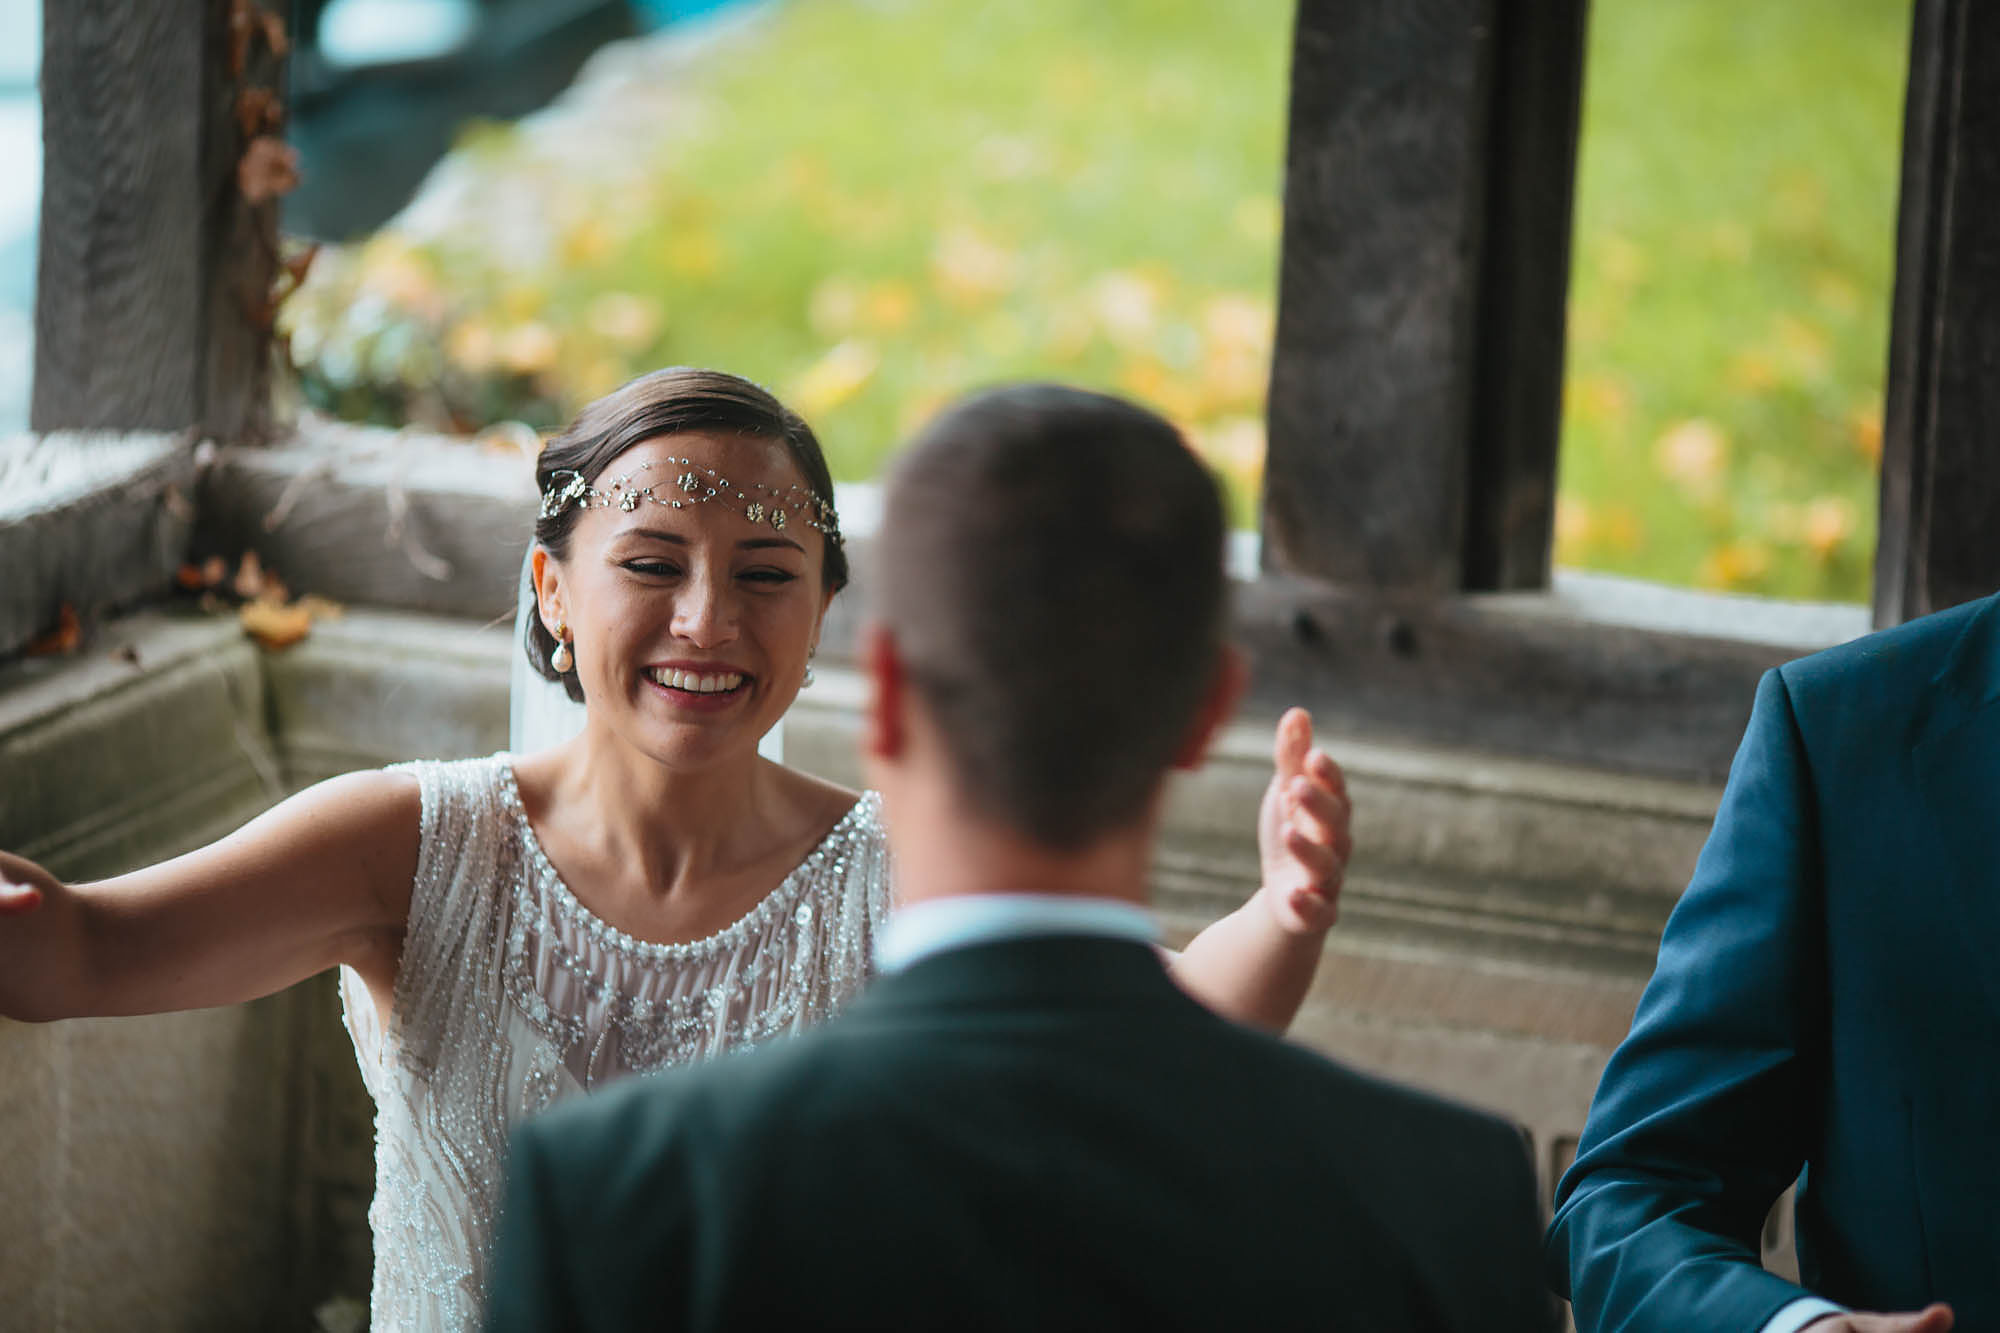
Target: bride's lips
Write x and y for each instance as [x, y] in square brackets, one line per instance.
[698, 687]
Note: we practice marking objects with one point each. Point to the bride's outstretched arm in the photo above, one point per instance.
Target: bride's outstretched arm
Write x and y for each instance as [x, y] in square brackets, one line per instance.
[1256, 964]
[322, 878]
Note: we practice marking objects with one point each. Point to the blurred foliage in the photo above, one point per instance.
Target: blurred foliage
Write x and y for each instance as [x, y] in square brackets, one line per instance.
[872, 205]
[1729, 301]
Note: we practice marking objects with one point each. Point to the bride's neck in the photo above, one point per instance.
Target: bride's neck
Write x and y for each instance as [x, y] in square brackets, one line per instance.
[671, 826]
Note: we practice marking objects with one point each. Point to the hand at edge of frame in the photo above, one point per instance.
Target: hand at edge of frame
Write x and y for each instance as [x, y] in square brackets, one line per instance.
[1935, 1318]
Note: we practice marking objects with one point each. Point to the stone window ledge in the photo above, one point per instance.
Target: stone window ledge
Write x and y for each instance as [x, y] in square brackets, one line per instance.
[173, 728]
[1598, 671]
[94, 522]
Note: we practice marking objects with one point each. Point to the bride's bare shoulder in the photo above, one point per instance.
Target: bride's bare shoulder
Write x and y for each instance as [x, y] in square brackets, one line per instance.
[828, 802]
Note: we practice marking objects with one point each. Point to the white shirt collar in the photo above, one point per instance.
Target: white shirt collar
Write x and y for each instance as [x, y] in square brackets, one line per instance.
[939, 924]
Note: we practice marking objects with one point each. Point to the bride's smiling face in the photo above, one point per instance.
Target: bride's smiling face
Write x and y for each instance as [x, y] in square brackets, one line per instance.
[691, 626]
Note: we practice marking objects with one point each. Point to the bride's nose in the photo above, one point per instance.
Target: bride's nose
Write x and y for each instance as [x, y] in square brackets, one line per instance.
[705, 611]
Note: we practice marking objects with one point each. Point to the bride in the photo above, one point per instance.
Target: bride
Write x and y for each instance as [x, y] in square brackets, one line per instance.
[522, 928]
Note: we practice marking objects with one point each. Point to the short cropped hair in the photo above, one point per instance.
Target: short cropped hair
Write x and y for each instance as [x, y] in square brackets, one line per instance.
[673, 401]
[1050, 565]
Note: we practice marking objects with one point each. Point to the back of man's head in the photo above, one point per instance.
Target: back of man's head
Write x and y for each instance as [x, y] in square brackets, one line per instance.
[1050, 568]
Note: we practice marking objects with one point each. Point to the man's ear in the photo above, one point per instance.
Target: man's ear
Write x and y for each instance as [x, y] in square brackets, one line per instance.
[1232, 677]
[548, 587]
[884, 728]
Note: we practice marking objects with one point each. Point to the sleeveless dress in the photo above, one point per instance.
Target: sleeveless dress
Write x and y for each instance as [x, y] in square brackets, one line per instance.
[511, 996]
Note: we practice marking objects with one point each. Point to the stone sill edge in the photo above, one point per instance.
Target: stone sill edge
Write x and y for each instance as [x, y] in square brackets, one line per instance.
[152, 641]
[1634, 632]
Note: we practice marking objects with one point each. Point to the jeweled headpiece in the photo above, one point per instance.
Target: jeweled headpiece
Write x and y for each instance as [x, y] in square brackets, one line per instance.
[694, 485]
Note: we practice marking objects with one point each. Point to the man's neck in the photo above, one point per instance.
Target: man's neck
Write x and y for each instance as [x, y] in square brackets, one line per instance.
[941, 851]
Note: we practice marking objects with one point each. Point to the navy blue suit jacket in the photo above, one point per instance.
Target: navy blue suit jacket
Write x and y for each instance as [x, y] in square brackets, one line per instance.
[1827, 998]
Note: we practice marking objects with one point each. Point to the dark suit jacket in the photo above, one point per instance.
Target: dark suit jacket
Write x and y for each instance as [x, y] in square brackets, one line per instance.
[1827, 996]
[1037, 1134]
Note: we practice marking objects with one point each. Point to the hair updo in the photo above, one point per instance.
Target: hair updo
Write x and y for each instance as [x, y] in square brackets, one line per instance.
[674, 401]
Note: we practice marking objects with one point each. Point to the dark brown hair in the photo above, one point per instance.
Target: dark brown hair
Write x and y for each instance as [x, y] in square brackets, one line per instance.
[669, 402]
[1050, 565]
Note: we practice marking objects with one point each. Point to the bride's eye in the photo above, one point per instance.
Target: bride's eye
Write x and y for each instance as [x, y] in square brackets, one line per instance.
[656, 568]
[772, 576]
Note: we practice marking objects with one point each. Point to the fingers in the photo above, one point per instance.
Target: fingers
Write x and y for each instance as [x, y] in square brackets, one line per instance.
[1319, 766]
[18, 898]
[1321, 863]
[1318, 871]
[1316, 800]
[1293, 739]
[1930, 1319]
[1317, 810]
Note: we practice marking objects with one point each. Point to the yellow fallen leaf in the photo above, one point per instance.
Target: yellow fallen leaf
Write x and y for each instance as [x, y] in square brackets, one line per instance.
[1864, 424]
[1692, 454]
[320, 608]
[625, 319]
[274, 625]
[835, 377]
[1829, 522]
[472, 347]
[530, 348]
[1738, 564]
[1574, 523]
[969, 268]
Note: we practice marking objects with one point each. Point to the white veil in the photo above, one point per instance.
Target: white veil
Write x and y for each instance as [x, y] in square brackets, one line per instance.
[541, 713]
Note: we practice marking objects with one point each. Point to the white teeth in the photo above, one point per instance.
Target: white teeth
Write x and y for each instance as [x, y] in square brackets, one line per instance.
[696, 683]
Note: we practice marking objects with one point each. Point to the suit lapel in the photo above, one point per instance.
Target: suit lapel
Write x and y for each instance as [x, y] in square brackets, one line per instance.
[1958, 768]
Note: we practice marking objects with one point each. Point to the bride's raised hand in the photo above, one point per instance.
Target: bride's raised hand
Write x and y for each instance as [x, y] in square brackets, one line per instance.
[1303, 840]
[23, 884]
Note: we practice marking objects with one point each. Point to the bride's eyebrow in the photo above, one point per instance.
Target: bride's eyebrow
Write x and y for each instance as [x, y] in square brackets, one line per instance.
[747, 544]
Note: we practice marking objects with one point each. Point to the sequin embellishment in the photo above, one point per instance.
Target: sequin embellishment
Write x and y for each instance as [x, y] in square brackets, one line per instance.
[512, 996]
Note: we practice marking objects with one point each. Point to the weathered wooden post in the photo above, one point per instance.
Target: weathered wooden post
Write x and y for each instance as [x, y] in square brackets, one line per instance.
[1417, 380]
[159, 220]
[1939, 541]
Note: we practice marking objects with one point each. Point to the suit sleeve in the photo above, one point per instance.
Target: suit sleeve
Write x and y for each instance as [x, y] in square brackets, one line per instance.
[1699, 1122]
[526, 1278]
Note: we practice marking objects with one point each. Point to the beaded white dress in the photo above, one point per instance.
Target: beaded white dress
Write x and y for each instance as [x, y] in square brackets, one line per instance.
[512, 996]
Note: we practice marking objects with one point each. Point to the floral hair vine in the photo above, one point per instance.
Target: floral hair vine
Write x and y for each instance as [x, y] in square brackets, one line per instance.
[695, 485]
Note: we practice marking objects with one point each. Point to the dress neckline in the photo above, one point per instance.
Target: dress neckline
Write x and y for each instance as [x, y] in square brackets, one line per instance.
[832, 846]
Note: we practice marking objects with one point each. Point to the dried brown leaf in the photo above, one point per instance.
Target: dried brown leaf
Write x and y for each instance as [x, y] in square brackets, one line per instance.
[275, 35]
[250, 581]
[269, 168]
[63, 639]
[258, 111]
[300, 262]
[242, 24]
[177, 504]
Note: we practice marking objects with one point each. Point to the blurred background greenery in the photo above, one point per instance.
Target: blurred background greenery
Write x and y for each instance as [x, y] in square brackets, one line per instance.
[871, 205]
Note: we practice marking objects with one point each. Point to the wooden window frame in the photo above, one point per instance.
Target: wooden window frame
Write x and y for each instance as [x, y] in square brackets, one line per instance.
[1416, 389]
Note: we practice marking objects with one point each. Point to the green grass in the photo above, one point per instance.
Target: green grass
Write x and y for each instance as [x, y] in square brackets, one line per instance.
[872, 205]
[884, 204]
[1728, 334]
